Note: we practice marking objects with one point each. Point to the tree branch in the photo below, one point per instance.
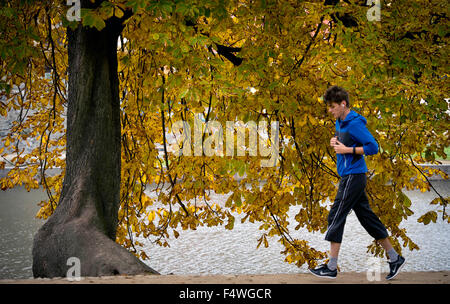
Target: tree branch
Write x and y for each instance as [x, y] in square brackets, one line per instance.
[222, 50]
[444, 201]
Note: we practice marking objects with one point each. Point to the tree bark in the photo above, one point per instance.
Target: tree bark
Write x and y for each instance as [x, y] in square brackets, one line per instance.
[85, 221]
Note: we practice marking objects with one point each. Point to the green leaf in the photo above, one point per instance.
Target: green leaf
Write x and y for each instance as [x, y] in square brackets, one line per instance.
[183, 94]
[237, 199]
[135, 4]
[230, 224]
[184, 48]
[428, 217]
[99, 24]
[404, 199]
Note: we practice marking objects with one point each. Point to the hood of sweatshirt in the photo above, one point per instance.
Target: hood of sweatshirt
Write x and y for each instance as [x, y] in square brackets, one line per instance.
[351, 116]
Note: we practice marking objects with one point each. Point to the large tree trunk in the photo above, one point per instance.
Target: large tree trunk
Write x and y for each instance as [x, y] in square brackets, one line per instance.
[85, 221]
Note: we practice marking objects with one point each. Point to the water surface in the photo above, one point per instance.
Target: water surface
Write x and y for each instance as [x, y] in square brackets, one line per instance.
[219, 251]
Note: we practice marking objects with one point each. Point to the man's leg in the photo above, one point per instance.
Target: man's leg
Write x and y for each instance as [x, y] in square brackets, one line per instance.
[374, 227]
[396, 261]
[385, 243]
[346, 197]
[334, 253]
[370, 221]
[334, 249]
[392, 254]
[349, 193]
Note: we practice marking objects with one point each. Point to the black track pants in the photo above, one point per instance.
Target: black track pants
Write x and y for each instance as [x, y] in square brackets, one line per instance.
[351, 195]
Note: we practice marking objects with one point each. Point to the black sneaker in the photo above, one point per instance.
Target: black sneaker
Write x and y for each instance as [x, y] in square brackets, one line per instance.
[324, 272]
[395, 267]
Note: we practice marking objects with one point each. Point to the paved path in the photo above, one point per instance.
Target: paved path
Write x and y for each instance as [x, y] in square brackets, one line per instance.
[434, 277]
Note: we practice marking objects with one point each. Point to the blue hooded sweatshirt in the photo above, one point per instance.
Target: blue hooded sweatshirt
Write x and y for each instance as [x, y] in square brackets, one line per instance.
[352, 132]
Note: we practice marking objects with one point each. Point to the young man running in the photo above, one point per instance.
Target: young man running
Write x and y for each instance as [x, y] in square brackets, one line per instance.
[352, 141]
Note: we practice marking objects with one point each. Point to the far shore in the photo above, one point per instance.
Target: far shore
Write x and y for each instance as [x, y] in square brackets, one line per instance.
[428, 277]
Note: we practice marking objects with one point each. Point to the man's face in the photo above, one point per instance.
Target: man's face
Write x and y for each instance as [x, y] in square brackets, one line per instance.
[337, 109]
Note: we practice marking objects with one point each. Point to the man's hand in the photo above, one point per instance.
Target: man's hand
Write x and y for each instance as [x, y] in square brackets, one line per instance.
[333, 141]
[339, 147]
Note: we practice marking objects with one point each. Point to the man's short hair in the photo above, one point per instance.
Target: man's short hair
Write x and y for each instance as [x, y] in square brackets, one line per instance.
[336, 94]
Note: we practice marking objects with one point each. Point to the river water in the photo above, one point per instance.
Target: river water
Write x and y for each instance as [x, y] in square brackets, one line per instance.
[219, 251]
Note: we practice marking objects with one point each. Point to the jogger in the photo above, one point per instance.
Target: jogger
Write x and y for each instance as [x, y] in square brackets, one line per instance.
[351, 142]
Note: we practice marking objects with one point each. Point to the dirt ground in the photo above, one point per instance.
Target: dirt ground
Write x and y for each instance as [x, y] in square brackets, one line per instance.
[434, 277]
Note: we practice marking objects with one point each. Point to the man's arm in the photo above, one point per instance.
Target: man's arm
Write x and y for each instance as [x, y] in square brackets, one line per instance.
[340, 148]
[360, 132]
